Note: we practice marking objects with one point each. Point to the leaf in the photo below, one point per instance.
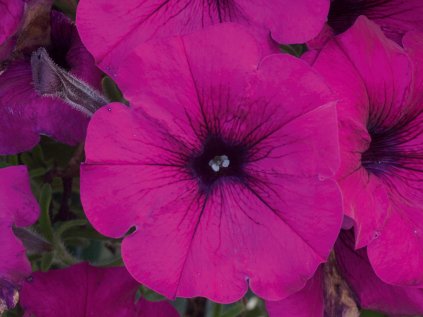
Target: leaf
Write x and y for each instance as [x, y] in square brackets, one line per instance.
[46, 261]
[44, 222]
[234, 310]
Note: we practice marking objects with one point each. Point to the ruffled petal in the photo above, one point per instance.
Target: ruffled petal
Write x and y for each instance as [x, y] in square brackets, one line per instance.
[125, 24]
[309, 302]
[372, 292]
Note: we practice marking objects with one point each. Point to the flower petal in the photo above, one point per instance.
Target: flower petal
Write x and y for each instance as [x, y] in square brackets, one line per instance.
[308, 302]
[371, 291]
[125, 24]
[400, 239]
[19, 208]
[83, 290]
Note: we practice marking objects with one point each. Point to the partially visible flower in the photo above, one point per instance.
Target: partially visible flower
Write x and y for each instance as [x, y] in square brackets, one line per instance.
[19, 208]
[82, 290]
[24, 114]
[222, 164]
[371, 292]
[110, 29]
[11, 12]
[356, 284]
[395, 17]
[381, 136]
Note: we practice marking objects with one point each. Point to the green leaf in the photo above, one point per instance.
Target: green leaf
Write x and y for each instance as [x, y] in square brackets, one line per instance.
[111, 90]
[368, 313]
[294, 49]
[37, 172]
[45, 222]
[217, 309]
[46, 261]
[152, 296]
[234, 310]
[67, 225]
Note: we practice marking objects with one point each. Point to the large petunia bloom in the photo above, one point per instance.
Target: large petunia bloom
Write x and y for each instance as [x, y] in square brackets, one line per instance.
[221, 164]
[110, 29]
[19, 208]
[395, 17]
[363, 286]
[11, 12]
[381, 134]
[82, 290]
[24, 115]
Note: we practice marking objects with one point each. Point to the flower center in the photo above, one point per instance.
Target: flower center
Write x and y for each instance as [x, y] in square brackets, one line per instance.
[218, 159]
[382, 154]
[218, 162]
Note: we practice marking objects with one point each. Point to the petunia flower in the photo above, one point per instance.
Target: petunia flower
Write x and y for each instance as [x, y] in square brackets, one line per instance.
[24, 114]
[82, 290]
[395, 17]
[11, 12]
[110, 29]
[381, 124]
[18, 208]
[356, 284]
[221, 165]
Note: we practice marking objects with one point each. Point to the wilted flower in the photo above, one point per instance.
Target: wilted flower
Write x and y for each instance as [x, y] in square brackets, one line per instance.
[110, 29]
[381, 125]
[82, 290]
[222, 164]
[355, 284]
[17, 208]
[24, 114]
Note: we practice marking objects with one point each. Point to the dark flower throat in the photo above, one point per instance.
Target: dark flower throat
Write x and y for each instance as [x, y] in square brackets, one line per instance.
[218, 159]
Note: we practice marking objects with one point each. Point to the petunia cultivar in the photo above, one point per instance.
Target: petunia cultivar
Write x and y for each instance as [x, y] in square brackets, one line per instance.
[11, 12]
[111, 29]
[25, 114]
[18, 208]
[381, 124]
[346, 284]
[395, 17]
[221, 165]
[83, 290]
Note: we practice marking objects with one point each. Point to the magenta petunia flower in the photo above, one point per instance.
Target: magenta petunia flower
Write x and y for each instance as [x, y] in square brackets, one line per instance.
[370, 291]
[11, 12]
[381, 125]
[395, 17]
[221, 164]
[83, 290]
[24, 115]
[110, 29]
[17, 208]
[367, 290]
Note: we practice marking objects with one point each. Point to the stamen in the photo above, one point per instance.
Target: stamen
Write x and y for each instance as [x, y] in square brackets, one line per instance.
[218, 162]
